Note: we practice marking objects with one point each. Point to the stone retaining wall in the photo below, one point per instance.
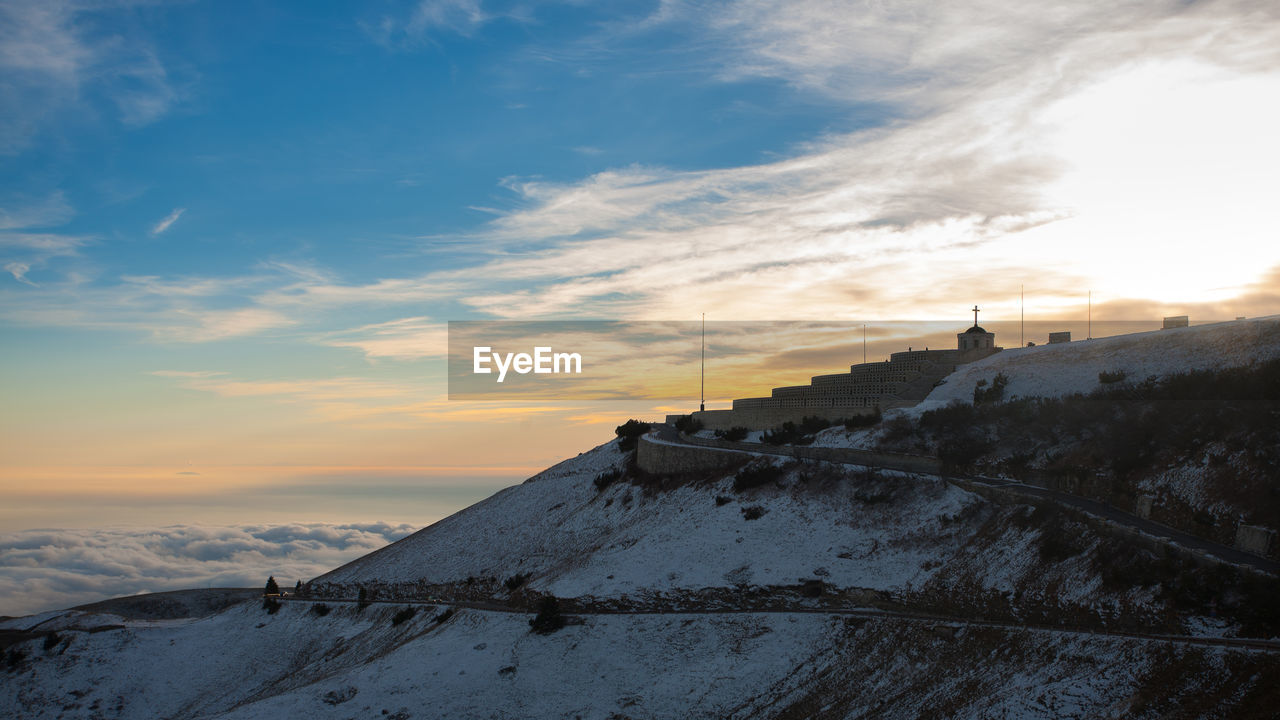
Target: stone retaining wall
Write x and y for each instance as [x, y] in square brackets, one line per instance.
[891, 461]
[659, 458]
[770, 418]
[1256, 539]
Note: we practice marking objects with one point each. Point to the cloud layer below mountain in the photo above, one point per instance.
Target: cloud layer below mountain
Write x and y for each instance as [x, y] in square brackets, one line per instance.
[49, 569]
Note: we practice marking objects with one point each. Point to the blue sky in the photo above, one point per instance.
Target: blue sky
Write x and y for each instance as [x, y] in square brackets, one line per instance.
[231, 153]
[232, 233]
[317, 135]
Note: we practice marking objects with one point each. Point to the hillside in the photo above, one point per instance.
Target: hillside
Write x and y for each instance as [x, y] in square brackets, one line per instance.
[244, 663]
[1180, 426]
[1064, 369]
[1067, 368]
[1019, 635]
[779, 588]
[856, 536]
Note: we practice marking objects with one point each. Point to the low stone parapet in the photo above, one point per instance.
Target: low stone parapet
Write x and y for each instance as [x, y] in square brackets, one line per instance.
[768, 418]
[1255, 539]
[662, 458]
[695, 454]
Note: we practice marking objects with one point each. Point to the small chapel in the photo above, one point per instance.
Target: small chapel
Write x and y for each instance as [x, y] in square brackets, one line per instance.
[975, 338]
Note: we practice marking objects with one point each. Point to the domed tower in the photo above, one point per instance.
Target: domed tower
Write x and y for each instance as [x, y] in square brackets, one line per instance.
[975, 338]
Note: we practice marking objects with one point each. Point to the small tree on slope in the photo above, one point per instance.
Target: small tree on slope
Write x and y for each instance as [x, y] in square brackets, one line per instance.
[548, 619]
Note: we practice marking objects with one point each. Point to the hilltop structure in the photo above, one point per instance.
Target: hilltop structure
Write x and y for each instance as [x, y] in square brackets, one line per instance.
[904, 379]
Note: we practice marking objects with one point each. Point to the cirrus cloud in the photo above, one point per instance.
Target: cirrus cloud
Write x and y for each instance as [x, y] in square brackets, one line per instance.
[167, 221]
[60, 54]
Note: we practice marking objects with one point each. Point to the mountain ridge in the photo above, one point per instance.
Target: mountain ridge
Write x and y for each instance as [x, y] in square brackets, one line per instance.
[779, 589]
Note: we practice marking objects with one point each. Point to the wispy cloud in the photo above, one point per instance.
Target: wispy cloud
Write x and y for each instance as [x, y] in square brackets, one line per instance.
[168, 221]
[47, 244]
[19, 272]
[455, 15]
[926, 56]
[321, 295]
[460, 17]
[213, 325]
[49, 211]
[978, 183]
[51, 569]
[188, 286]
[412, 338]
[188, 374]
[354, 402]
[984, 167]
[181, 310]
[57, 54]
[977, 175]
[351, 400]
[23, 251]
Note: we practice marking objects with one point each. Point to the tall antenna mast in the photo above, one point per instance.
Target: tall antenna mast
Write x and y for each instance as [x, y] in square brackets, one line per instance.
[702, 403]
[1090, 315]
[1022, 294]
[864, 343]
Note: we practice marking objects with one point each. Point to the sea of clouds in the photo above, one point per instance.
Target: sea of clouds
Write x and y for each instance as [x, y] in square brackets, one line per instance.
[51, 569]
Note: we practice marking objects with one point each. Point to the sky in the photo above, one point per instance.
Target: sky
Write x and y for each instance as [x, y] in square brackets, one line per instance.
[232, 233]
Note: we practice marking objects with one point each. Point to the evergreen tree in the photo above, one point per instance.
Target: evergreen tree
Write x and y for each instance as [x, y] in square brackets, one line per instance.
[548, 619]
[297, 589]
[272, 587]
[630, 431]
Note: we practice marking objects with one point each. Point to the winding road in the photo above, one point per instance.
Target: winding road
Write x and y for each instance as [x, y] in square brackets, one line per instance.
[1257, 644]
[1234, 556]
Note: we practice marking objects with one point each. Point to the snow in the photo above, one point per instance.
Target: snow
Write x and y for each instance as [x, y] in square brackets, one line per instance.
[860, 439]
[577, 541]
[75, 618]
[588, 670]
[899, 535]
[1067, 368]
[909, 537]
[28, 622]
[245, 664]
[920, 537]
[1210, 626]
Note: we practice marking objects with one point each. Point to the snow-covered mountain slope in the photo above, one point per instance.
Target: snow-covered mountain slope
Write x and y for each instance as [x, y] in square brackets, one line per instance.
[175, 606]
[1066, 368]
[895, 539]
[243, 663]
[688, 560]
[866, 537]
[889, 532]
[172, 604]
